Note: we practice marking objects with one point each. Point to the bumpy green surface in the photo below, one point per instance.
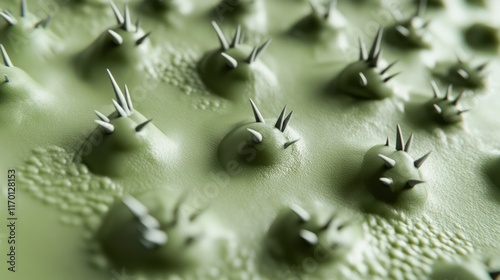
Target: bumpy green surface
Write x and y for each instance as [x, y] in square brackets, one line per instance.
[203, 190]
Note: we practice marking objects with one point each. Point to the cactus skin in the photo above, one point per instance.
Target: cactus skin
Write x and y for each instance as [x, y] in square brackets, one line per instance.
[296, 235]
[393, 175]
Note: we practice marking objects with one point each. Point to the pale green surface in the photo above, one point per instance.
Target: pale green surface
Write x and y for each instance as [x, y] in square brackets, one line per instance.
[462, 212]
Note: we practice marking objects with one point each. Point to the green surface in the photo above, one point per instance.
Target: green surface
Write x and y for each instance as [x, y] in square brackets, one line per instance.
[198, 156]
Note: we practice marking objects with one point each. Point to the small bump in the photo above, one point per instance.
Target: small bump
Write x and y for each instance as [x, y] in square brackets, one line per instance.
[150, 232]
[258, 143]
[323, 23]
[461, 74]
[119, 136]
[19, 93]
[482, 36]
[121, 48]
[393, 175]
[410, 33]
[26, 36]
[235, 70]
[444, 109]
[363, 78]
[297, 234]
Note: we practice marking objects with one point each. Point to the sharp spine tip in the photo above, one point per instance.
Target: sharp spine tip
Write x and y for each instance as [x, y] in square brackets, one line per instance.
[362, 79]
[256, 112]
[375, 49]
[389, 162]
[119, 109]
[8, 18]
[362, 49]
[108, 128]
[7, 79]
[6, 58]
[286, 121]
[116, 12]
[455, 102]
[386, 181]
[142, 125]
[256, 136]
[251, 56]
[408, 143]
[417, 163]
[462, 73]
[222, 39]
[237, 37]
[119, 94]
[127, 23]
[402, 30]
[412, 183]
[437, 109]
[142, 39]
[24, 8]
[391, 76]
[449, 90]
[102, 116]
[44, 22]
[388, 67]
[308, 236]
[117, 39]
[289, 143]
[231, 62]
[481, 67]
[399, 138]
[262, 48]
[301, 212]
[279, 121]
[435, 89]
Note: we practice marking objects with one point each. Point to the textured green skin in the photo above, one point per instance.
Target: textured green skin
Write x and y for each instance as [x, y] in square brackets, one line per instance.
[336, 133]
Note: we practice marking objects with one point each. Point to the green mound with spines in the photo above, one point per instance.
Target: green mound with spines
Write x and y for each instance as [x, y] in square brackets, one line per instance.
[233, 71]
[121, 137]
[158, 235]
[258, 144]
[121, 48]
[395, 178]
[362, 79]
